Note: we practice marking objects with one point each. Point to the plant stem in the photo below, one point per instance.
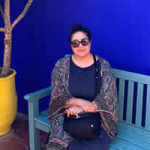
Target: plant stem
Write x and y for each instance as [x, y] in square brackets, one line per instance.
[23, 13]
[8, 33]
[7, 40]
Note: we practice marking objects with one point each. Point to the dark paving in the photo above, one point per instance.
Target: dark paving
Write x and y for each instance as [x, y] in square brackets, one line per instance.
[18, 137]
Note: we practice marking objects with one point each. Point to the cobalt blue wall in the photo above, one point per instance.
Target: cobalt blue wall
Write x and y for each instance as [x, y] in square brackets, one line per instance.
[120, 29]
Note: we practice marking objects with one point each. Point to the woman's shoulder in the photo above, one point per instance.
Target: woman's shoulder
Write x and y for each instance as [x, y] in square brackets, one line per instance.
[63, 62]
[103, 61]
[105, 66]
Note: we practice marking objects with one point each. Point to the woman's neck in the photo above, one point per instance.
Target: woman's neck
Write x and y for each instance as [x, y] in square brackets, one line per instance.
[83, 61]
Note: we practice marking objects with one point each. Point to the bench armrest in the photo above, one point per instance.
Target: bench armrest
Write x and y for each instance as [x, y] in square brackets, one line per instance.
[33, 112]
[38, 94]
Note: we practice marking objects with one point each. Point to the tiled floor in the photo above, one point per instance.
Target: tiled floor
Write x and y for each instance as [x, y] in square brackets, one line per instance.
[17, 138]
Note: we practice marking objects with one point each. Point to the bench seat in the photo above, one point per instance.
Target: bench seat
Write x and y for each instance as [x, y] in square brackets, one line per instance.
[128, 136]
[131, 138]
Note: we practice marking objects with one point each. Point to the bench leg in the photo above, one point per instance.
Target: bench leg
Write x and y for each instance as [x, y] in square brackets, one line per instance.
[34, 134]
[34, 138]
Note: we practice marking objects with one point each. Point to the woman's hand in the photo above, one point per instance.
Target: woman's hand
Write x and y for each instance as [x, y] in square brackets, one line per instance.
[76, 103]
[74, 110]
[89, 106]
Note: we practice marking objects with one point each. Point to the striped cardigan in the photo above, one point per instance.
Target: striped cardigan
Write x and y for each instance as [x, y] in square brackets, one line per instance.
[60, 94]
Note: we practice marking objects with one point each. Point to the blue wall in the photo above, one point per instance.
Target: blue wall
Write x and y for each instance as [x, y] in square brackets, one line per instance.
[120, 29]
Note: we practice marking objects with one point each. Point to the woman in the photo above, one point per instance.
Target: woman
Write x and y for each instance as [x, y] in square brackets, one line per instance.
[73, 91]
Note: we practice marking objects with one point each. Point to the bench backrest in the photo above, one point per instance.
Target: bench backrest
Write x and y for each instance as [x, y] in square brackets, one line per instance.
[133, 98]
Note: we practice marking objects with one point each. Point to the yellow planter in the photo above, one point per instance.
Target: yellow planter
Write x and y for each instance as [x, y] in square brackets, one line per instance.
[8, 103]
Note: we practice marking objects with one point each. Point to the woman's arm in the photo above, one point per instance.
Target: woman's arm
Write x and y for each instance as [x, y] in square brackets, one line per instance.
[58, 93]
[73, 102]
[81, 103]
[59, 96]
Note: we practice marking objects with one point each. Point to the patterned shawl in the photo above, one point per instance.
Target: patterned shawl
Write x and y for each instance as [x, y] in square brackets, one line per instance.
[60, 94]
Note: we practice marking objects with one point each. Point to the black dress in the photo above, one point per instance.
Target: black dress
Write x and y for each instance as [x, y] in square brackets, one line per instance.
[82, 85]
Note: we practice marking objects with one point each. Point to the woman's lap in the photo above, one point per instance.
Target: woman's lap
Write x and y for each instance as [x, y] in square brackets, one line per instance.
[101, 143]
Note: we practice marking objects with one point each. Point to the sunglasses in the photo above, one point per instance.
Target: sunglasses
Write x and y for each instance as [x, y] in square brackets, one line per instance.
[76, 43]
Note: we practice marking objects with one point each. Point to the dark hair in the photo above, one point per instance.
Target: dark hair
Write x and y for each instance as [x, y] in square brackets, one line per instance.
[77, 28]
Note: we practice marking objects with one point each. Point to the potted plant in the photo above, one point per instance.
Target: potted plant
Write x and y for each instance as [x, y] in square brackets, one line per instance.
[8, 96]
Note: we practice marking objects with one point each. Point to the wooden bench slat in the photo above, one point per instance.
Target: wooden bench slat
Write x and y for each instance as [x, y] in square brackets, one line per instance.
[121, 98]
[42, 123]
[119, 145]
[133, 133]
[147, 120]
[135, 77]
[130, 101]
[134, 139]
[125, 145]
[113, 148]
[139, 104]
[41, 126]
[38, 94]
[140, 130]
[43, 119]
[129, 134]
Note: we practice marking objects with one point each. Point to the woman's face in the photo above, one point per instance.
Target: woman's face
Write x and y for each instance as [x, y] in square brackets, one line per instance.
[80, 44]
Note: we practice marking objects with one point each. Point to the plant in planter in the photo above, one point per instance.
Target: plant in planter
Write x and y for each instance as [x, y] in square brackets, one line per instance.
[8, 96]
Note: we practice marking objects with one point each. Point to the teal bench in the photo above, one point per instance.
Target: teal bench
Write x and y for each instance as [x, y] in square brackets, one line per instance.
[134, 113]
